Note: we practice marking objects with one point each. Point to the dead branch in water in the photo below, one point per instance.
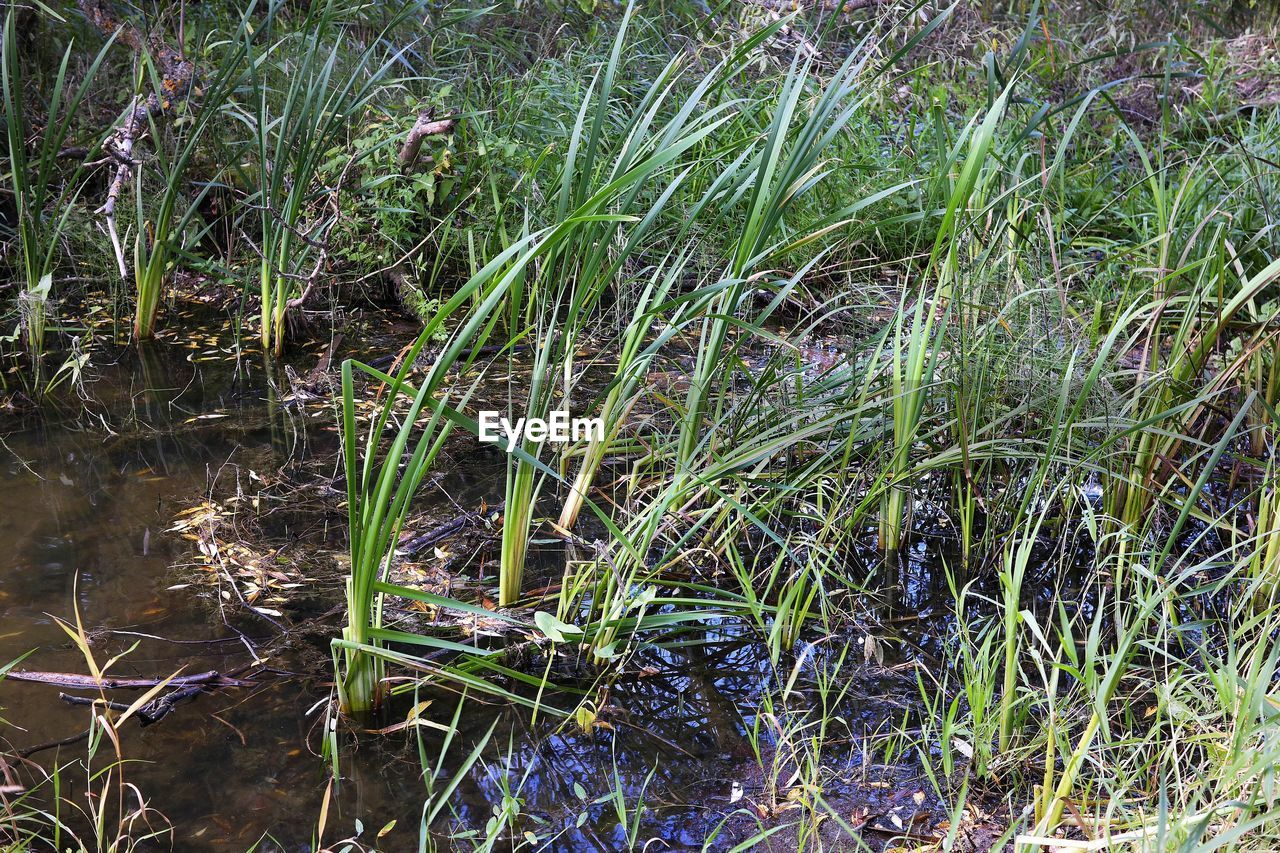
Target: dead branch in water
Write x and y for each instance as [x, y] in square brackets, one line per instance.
[75, 681]
[412, 545]
[188, 687]
[152, 712]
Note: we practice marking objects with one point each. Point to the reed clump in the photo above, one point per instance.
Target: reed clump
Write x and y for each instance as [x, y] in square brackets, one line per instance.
[850, 310]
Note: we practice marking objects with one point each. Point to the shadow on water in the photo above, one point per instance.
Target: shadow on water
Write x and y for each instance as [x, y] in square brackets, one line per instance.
[86, 500]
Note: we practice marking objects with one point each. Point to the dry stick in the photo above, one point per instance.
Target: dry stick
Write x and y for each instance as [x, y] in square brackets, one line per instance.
[212, 642]
[425, 126]
[413, 546]
[408, 156]
[212, 678]
[152, 712]
[51, 744]
[178, 77]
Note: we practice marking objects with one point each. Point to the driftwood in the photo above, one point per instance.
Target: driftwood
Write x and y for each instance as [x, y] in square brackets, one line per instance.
[425, 126]
[178, 80]
[188, 687]
[152, 712]
[74, 681]
[323, 366]
[415, 545]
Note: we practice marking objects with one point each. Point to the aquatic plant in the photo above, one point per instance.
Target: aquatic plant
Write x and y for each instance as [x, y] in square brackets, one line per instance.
[303, 101]
[914, 352]
[160, 237]
[115, 817]
[379, 495]
[827, 302]
[602, 187]
[43, 198]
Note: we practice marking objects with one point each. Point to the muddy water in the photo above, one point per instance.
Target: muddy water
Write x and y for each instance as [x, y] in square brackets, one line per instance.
[86, 497]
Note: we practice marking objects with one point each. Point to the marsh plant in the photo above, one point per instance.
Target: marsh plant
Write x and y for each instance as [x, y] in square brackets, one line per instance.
[304, 98]
[43, 198]
[860, 339]
[166, 219]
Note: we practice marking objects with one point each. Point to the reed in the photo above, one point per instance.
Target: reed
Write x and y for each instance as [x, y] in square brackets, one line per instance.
[43, 198]
[163, 229]
[379, 495]
[616, 186]
[914, 353]
[304, 101]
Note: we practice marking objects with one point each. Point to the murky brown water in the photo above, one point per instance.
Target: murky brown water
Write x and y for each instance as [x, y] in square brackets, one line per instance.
[85, 500]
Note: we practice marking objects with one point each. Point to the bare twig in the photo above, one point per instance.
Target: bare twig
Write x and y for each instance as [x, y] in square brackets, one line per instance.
[425, 126]
[212, 678]
[51, 744]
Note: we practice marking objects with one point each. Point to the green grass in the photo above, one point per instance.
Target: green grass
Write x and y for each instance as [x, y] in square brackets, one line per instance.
[303, 100]
[162, 234]
[42, 200]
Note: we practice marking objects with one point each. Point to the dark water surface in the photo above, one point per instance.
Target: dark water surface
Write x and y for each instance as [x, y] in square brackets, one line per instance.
[86, 499]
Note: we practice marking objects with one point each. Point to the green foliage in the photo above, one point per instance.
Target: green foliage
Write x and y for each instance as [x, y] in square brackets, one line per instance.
[42, 199]
[827, 294]
[390, 209]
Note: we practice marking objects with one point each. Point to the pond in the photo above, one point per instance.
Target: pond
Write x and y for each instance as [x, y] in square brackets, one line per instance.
[680, 749]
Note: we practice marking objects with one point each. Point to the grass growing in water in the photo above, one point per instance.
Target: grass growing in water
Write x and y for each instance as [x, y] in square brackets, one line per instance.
[1050, 343]
[42, 200]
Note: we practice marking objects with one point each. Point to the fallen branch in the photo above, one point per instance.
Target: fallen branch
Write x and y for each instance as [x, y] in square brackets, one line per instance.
[414, 545]
[74, 681]
[152, 712]
[189, 686]
[425, 126]
[51, 744]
